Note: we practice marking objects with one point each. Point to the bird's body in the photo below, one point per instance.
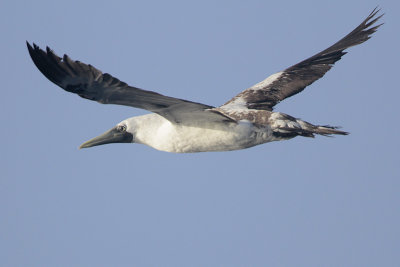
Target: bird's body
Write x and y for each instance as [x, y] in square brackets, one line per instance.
[155, 131]
[183, 126]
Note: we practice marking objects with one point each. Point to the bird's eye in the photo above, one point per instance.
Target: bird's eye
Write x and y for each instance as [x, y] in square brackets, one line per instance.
[121, 128]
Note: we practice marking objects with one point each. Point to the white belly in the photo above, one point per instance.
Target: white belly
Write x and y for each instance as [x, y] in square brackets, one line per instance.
[183, 139]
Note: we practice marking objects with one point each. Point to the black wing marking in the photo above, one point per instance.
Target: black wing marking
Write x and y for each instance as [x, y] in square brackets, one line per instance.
[90, 83]
[266, 94]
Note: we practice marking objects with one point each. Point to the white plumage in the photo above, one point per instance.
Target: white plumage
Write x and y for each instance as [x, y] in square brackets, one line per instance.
[155, 131]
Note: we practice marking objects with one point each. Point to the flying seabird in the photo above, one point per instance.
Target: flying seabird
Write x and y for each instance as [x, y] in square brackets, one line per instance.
[182, 126]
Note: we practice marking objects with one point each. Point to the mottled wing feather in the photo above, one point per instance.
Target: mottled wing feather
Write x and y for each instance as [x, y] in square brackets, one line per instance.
[90, 83]
[266, 94]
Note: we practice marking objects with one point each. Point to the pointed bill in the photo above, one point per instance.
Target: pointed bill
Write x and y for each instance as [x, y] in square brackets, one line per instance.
[111, 136]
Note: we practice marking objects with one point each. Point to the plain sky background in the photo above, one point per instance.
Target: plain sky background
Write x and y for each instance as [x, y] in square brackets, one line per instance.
[303, 202]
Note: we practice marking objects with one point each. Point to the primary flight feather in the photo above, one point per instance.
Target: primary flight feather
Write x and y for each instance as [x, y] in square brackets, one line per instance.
[177, 125]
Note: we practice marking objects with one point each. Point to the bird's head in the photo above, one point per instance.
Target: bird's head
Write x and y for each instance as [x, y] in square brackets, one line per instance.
[123, 132]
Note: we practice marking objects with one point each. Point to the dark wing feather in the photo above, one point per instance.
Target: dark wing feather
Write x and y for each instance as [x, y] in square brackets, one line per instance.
[266, 94]
[90, 83]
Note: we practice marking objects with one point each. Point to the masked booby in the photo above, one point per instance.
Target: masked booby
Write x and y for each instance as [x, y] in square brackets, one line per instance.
[182, 126]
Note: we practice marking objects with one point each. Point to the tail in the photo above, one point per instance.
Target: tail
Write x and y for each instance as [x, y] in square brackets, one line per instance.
[327, 130]
[287, 127]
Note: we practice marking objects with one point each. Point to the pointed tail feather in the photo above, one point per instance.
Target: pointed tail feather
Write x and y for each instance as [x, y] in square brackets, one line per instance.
[327, 130]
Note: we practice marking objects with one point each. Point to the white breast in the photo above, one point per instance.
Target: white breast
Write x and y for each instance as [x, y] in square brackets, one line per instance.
[159, 133]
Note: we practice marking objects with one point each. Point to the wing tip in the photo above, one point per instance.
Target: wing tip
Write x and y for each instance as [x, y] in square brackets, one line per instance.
[372, 19]
[31, 48]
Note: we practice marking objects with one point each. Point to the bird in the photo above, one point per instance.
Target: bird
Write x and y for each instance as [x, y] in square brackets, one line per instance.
[182, 126]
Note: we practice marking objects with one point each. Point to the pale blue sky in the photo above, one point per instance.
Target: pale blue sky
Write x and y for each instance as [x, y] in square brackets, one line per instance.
[303, 202]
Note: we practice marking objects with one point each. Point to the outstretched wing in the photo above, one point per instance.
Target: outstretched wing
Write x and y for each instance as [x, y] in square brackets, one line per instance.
[90, 83]
[266, 94]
